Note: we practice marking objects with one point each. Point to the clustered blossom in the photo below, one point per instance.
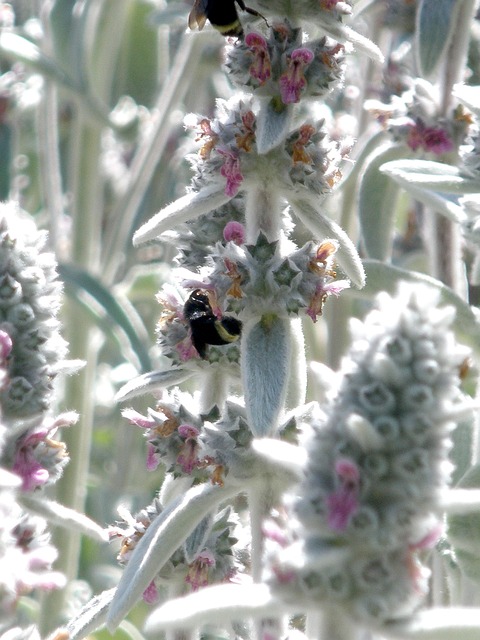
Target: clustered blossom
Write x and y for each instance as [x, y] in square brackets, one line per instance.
[206, 557]
[196, 239]
[202, 447]
[228, 154]
[413, 118]
[249, 280]
[36, 457]
[29, 303]
[26, 555]
[255, 279]
[366, 510]
[280, 67]
[31, 355]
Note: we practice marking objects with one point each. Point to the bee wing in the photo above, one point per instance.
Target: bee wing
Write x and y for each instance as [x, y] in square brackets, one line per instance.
[198, 16]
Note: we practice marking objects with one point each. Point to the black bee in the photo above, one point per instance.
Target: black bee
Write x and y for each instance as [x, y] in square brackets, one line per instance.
[206, 328]
[222, 15]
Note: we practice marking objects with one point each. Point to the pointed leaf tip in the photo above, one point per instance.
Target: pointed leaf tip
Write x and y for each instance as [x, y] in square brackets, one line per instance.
[190, 206]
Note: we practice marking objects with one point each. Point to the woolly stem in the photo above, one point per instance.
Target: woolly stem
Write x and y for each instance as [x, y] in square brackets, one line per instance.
[262, 214]
[214, 389]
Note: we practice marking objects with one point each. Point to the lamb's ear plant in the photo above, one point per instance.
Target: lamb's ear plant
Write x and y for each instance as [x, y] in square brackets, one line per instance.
[307, 395]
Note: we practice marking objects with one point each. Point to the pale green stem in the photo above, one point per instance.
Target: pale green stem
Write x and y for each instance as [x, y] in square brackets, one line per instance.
[214, 389]
[262, 213]
[149, 153]
[87, 207]
[261, 498]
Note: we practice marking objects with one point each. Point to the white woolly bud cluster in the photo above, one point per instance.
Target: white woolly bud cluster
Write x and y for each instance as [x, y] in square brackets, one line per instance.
[377, 464]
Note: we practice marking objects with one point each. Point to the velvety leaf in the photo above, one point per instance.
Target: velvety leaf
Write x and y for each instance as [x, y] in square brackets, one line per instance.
[436, 20]
[98, 298]
[428, 174]
[63, 516]
[222, 603]
[152, 381]
[376, 203]
[90, 618]
[266, 349]
[469, 96]
[188, 207]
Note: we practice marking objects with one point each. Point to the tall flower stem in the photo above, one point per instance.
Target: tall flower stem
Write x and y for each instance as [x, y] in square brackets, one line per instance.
[214, 390]
[262, 213]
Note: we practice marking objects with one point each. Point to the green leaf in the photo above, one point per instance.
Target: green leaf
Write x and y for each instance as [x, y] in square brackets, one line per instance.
[436, 20]
[98, 299]
[266, 349]
[428, 174]
[463, 439]
[385, 277]
[377, 197]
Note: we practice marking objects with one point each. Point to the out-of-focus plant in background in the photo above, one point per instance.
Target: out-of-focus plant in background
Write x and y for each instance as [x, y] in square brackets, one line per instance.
[314, 181]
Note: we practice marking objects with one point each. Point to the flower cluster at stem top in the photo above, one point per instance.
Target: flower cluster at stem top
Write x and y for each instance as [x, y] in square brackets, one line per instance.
[281, 68]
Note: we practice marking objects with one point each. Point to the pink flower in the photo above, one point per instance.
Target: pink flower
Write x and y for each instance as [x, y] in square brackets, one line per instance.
[136, 418]
[231, 171]
[293, 80]
[234, 232]
[198, 571]
[150, 595]
[5, 345]
[433, 139]
[343, 502]
[153, 458]
[261, 68]
[188, 431]
[187, 458]
[26, 464]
